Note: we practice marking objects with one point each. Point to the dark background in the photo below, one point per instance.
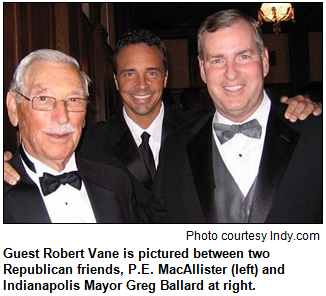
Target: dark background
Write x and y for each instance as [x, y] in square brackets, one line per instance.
[82, 30]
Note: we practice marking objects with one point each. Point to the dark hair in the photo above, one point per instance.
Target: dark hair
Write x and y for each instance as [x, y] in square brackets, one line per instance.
[225, 19]
[138, 37]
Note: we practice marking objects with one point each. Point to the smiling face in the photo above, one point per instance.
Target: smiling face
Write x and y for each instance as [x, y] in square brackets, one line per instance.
[141, 79]
[234, 70]
[49, 136]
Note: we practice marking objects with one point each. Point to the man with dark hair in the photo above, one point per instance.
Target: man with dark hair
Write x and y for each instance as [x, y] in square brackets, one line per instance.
[138, 37]
[132, 138]
[241, 163]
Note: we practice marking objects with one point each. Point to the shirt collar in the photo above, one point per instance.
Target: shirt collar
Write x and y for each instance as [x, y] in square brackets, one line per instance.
[155, 129]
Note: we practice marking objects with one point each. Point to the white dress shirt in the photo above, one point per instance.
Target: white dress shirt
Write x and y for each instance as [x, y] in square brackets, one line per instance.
[242, 154]
[67, 204]
[155, 131]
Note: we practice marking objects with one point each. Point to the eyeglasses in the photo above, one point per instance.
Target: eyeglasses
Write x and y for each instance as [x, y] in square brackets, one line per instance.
[45, 103]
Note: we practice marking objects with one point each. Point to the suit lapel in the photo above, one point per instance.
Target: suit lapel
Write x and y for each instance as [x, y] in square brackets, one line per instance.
[171, 122]
[104, 202]
[200, 156]
[280, 142]
[167, 129]
[24, 199]
[128, 153]
[126, 150]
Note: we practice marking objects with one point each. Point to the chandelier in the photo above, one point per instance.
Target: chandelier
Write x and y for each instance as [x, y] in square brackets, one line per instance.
[276, 13]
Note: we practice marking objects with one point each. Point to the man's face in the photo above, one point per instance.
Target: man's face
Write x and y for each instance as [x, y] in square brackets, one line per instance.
[49, 136]
[141, 79]
[234, 70]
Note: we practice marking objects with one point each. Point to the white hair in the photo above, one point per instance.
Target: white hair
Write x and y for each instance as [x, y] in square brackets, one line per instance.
[17, 84]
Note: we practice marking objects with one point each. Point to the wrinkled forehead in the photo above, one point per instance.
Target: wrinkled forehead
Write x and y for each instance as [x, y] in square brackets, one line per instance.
[54, 76]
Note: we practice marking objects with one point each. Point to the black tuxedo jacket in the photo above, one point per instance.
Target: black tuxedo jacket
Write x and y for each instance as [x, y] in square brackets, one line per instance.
[112, 142]
[111, 198]
[289, 185]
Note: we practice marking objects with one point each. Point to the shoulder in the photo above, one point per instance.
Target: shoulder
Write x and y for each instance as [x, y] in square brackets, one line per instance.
[313, 125]
[310, 134]
[98, 138]
[178, 117]
[187, 132]
[103, 128]
[105, 175]
[307, 134]
[7, 188]
[196, 125]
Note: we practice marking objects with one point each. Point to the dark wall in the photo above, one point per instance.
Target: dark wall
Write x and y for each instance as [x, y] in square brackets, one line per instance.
[182, 20]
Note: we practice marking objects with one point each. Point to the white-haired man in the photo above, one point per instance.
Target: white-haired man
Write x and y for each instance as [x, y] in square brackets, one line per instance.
[47, 101]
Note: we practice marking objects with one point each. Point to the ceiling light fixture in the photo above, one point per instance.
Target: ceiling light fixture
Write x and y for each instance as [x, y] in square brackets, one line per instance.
[276, 13]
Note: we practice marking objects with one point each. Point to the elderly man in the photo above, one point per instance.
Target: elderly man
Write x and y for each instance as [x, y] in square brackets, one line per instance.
[243, 163]
[47, 100]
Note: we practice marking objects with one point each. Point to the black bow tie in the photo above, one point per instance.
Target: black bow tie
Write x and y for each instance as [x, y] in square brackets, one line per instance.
[50, 183]
[225, 132]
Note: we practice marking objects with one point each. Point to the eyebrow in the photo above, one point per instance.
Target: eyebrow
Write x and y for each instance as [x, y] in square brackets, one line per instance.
[79, 92]
[127, 70]
[147, 69]
[245, 51]
[154, 69]
[38, 88]
[237, 53]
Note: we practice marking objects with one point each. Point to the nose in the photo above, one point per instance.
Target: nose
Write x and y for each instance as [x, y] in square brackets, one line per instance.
[231, 71]
[60, 113]
[142, 82]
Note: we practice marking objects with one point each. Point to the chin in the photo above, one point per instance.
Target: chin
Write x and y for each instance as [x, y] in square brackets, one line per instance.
[60, 154]
[144, 111]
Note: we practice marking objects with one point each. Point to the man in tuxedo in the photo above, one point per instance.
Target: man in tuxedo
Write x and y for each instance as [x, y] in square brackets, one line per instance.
[131, 139]
[47, 100]
[242, 163]
[140, 72]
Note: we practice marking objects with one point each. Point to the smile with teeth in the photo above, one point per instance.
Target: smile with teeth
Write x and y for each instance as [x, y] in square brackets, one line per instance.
[142, 97]
[234, 88]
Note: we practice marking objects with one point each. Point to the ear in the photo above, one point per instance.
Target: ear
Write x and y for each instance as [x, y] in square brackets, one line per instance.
[166, 79]
[202, 70]
[12, 107]
[116, 82]
[265, 60]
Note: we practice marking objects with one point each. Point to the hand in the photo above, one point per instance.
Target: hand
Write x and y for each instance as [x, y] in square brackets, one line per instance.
[300, 107]
[9, 175]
